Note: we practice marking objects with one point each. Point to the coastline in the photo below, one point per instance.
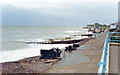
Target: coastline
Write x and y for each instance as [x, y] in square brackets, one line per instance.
[28, 65]
[93, 50]
[31, 64]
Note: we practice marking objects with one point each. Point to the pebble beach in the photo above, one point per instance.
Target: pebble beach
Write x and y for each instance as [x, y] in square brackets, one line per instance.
[32, 64]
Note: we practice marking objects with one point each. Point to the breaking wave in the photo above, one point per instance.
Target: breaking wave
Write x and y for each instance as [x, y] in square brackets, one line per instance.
[32, 50]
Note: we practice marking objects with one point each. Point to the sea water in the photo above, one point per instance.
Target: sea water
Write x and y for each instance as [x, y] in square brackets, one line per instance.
[14, 38]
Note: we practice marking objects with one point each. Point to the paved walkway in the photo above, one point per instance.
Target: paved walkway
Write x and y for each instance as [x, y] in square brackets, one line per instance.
[0, 69]
[114, 58]
[83, 60]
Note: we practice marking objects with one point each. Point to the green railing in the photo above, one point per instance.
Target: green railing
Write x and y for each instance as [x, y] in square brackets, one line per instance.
[114, 38]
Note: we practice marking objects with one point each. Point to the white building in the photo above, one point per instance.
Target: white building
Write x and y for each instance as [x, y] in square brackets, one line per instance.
[113, 25]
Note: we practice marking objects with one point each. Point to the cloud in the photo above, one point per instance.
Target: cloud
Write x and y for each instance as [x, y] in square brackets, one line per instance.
[12, 1]
[72, 14]
[31, 4]
[47, 3]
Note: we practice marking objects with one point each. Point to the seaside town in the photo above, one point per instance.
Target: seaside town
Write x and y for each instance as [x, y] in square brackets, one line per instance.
[60, 37]
[99, 48]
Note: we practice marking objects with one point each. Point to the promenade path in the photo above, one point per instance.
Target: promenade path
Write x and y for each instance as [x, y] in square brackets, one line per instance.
[113, 62]
[83, 60]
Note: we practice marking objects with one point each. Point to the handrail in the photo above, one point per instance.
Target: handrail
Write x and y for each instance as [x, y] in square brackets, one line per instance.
[102, 63]
[115, 40]
[114, 32]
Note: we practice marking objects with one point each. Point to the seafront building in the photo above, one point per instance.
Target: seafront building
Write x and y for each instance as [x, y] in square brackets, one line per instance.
[113, 25]
[109, 59]
[97, 27]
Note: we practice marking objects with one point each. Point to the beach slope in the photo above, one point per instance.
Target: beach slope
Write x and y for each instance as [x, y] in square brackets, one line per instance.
[91, 51]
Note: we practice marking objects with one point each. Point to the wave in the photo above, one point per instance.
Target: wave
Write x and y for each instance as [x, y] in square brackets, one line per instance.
[29, 40]
[32, 50]
[72, 31]
[89, 32]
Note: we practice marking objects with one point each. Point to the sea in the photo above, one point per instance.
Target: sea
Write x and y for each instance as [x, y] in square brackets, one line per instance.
[14, 38]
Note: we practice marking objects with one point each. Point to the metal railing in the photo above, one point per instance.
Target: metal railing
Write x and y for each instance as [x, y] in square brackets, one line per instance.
[111, 37]
[103, 61]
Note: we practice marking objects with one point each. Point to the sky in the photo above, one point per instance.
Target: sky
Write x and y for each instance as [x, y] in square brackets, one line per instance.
[58, 12]
[119, 11]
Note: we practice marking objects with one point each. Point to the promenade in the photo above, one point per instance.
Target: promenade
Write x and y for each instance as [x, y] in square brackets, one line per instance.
[88, 56]
[83, 60]
[114, 57]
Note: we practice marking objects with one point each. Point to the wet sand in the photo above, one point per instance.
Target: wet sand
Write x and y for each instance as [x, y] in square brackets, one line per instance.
[86, 59]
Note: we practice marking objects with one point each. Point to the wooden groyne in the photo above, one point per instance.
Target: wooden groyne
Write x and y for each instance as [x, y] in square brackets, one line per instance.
[65, 41]
[58, 42]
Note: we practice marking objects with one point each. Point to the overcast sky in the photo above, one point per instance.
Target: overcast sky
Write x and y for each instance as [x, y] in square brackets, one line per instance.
[59, 12]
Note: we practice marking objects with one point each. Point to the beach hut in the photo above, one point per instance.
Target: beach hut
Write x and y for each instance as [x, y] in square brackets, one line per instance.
[115, 36]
